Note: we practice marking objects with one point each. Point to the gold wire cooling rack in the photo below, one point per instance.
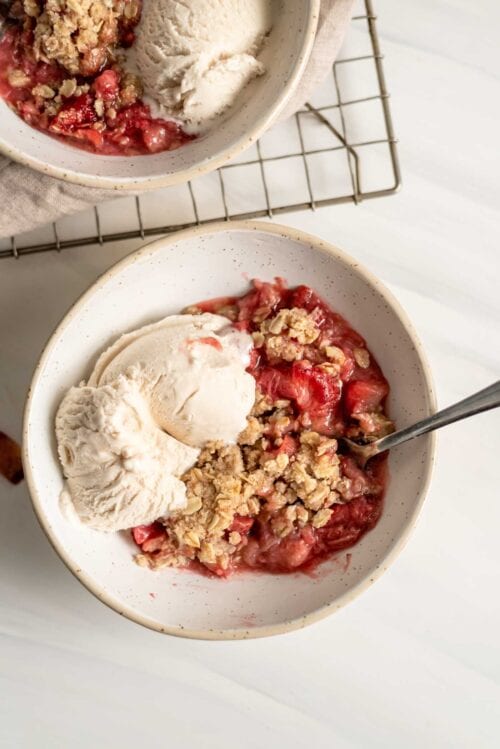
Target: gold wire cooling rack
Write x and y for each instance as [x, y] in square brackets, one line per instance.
[340, 148]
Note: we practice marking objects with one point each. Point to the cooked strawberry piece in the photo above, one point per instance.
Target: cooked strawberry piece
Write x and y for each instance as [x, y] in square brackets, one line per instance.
[89, 134]
[143, 533]
[278, 555]
[264, 296]
[48, 73]
[31, 113]
[288, 447]
[305, 297]
[348, 367]
[134, 129]
[314, 391]
[362, 396]
[294, 552]
[251, 553]
[157, 135]
[78, 111]
[289, 554]
[337, 537]
[365, 512]
[360, 481]
[348, 523]
[241, 524]
[273, 382]
[131, 118]
[276, 382]
[107, 85]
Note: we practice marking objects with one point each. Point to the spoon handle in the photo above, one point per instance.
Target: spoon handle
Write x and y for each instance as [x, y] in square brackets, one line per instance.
[474, 404]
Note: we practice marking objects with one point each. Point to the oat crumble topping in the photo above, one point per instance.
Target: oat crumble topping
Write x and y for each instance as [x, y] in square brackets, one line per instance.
[75, 33]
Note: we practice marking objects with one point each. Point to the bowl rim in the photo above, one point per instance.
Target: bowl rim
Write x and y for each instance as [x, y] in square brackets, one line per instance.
[238, 633]
[206, 165]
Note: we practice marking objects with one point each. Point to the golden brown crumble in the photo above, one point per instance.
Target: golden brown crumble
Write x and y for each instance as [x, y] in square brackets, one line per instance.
[82, 36]
[294, 323]
[285, 335]
[336, 359]
[75, 33]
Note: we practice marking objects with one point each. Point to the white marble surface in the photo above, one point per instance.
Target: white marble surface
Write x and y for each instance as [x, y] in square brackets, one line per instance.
[414, 662]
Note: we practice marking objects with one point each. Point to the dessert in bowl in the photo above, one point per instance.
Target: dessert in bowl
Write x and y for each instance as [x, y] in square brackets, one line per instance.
[274, 524]
[136, 93]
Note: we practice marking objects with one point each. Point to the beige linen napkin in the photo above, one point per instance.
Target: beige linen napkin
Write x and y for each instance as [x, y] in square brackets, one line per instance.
[30, 199]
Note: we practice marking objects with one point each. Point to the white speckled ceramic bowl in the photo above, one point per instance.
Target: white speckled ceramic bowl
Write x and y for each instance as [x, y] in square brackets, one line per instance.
[285, 55]
[159, 280]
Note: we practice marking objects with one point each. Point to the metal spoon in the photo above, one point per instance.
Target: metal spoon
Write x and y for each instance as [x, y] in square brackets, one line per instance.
[484, 400]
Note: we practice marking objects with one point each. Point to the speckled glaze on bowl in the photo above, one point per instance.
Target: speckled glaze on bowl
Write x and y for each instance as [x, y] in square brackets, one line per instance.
[161, 279]
[285, 55]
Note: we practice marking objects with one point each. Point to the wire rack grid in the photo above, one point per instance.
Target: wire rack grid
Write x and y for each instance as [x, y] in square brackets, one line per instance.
[339, 148]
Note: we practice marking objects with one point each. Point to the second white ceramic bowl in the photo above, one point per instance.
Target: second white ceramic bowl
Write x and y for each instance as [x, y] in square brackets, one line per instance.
[285, 55]
[159, 280]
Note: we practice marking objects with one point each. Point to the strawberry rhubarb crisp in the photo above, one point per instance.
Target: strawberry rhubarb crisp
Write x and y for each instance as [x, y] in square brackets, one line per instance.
[62, 70]
[286, 495]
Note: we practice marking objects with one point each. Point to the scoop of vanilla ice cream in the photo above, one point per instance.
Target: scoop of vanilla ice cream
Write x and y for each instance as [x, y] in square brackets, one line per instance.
[121, 470]
[195, 56]
[193, 368]
[155, 397]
